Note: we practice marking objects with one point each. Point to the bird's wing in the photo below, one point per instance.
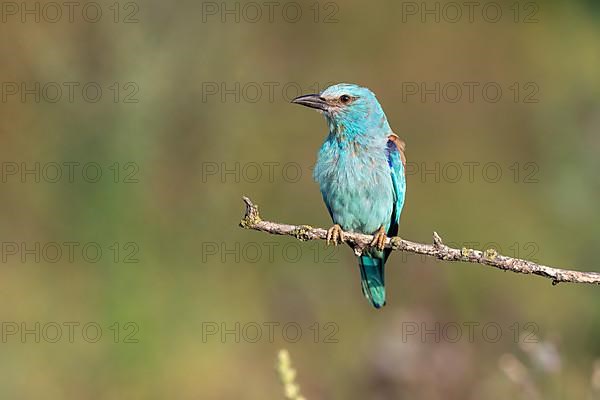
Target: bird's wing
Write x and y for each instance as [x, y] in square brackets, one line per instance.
[397, 162]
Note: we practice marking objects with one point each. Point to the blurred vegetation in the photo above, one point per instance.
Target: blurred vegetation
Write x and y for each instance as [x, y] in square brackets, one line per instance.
[197, 270]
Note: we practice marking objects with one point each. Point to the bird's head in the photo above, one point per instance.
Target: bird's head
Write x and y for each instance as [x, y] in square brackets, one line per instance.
[350, 110]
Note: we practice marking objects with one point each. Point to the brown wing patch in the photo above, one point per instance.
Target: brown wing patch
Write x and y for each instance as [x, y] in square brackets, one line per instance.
[400, 145]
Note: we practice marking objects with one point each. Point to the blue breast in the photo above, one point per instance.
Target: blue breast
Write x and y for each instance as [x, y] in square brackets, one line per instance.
[356, 184]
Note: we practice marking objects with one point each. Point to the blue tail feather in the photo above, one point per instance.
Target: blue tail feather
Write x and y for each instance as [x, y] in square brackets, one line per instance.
[372, 279]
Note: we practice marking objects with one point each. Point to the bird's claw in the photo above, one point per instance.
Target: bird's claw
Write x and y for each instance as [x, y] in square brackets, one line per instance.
[335, 235]
[379, 239]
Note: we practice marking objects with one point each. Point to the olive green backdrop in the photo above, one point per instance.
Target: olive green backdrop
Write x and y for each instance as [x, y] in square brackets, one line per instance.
[131, 130]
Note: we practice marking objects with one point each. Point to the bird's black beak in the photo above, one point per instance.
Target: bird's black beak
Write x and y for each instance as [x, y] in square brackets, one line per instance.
[312, 101]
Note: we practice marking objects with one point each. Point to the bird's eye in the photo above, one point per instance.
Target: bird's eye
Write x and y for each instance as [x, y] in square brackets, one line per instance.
[345, 98]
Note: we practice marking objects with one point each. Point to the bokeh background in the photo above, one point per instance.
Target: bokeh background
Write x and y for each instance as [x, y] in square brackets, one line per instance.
[194, 113]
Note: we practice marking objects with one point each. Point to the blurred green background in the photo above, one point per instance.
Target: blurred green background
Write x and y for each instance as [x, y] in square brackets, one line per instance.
[194, 112]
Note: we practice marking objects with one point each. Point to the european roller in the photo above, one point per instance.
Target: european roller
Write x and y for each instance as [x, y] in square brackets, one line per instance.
[360, 171]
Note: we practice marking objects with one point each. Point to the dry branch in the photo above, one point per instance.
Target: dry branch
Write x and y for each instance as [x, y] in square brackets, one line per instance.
[438, 249]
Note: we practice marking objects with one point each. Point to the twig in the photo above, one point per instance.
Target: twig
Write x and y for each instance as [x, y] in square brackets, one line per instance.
[438, 249]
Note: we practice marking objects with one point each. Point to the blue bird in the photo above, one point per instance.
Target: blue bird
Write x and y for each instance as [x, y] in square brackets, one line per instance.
[360, 171]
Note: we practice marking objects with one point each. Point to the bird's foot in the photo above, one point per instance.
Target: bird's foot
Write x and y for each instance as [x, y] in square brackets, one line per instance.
[379, 239]
[335, 235]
